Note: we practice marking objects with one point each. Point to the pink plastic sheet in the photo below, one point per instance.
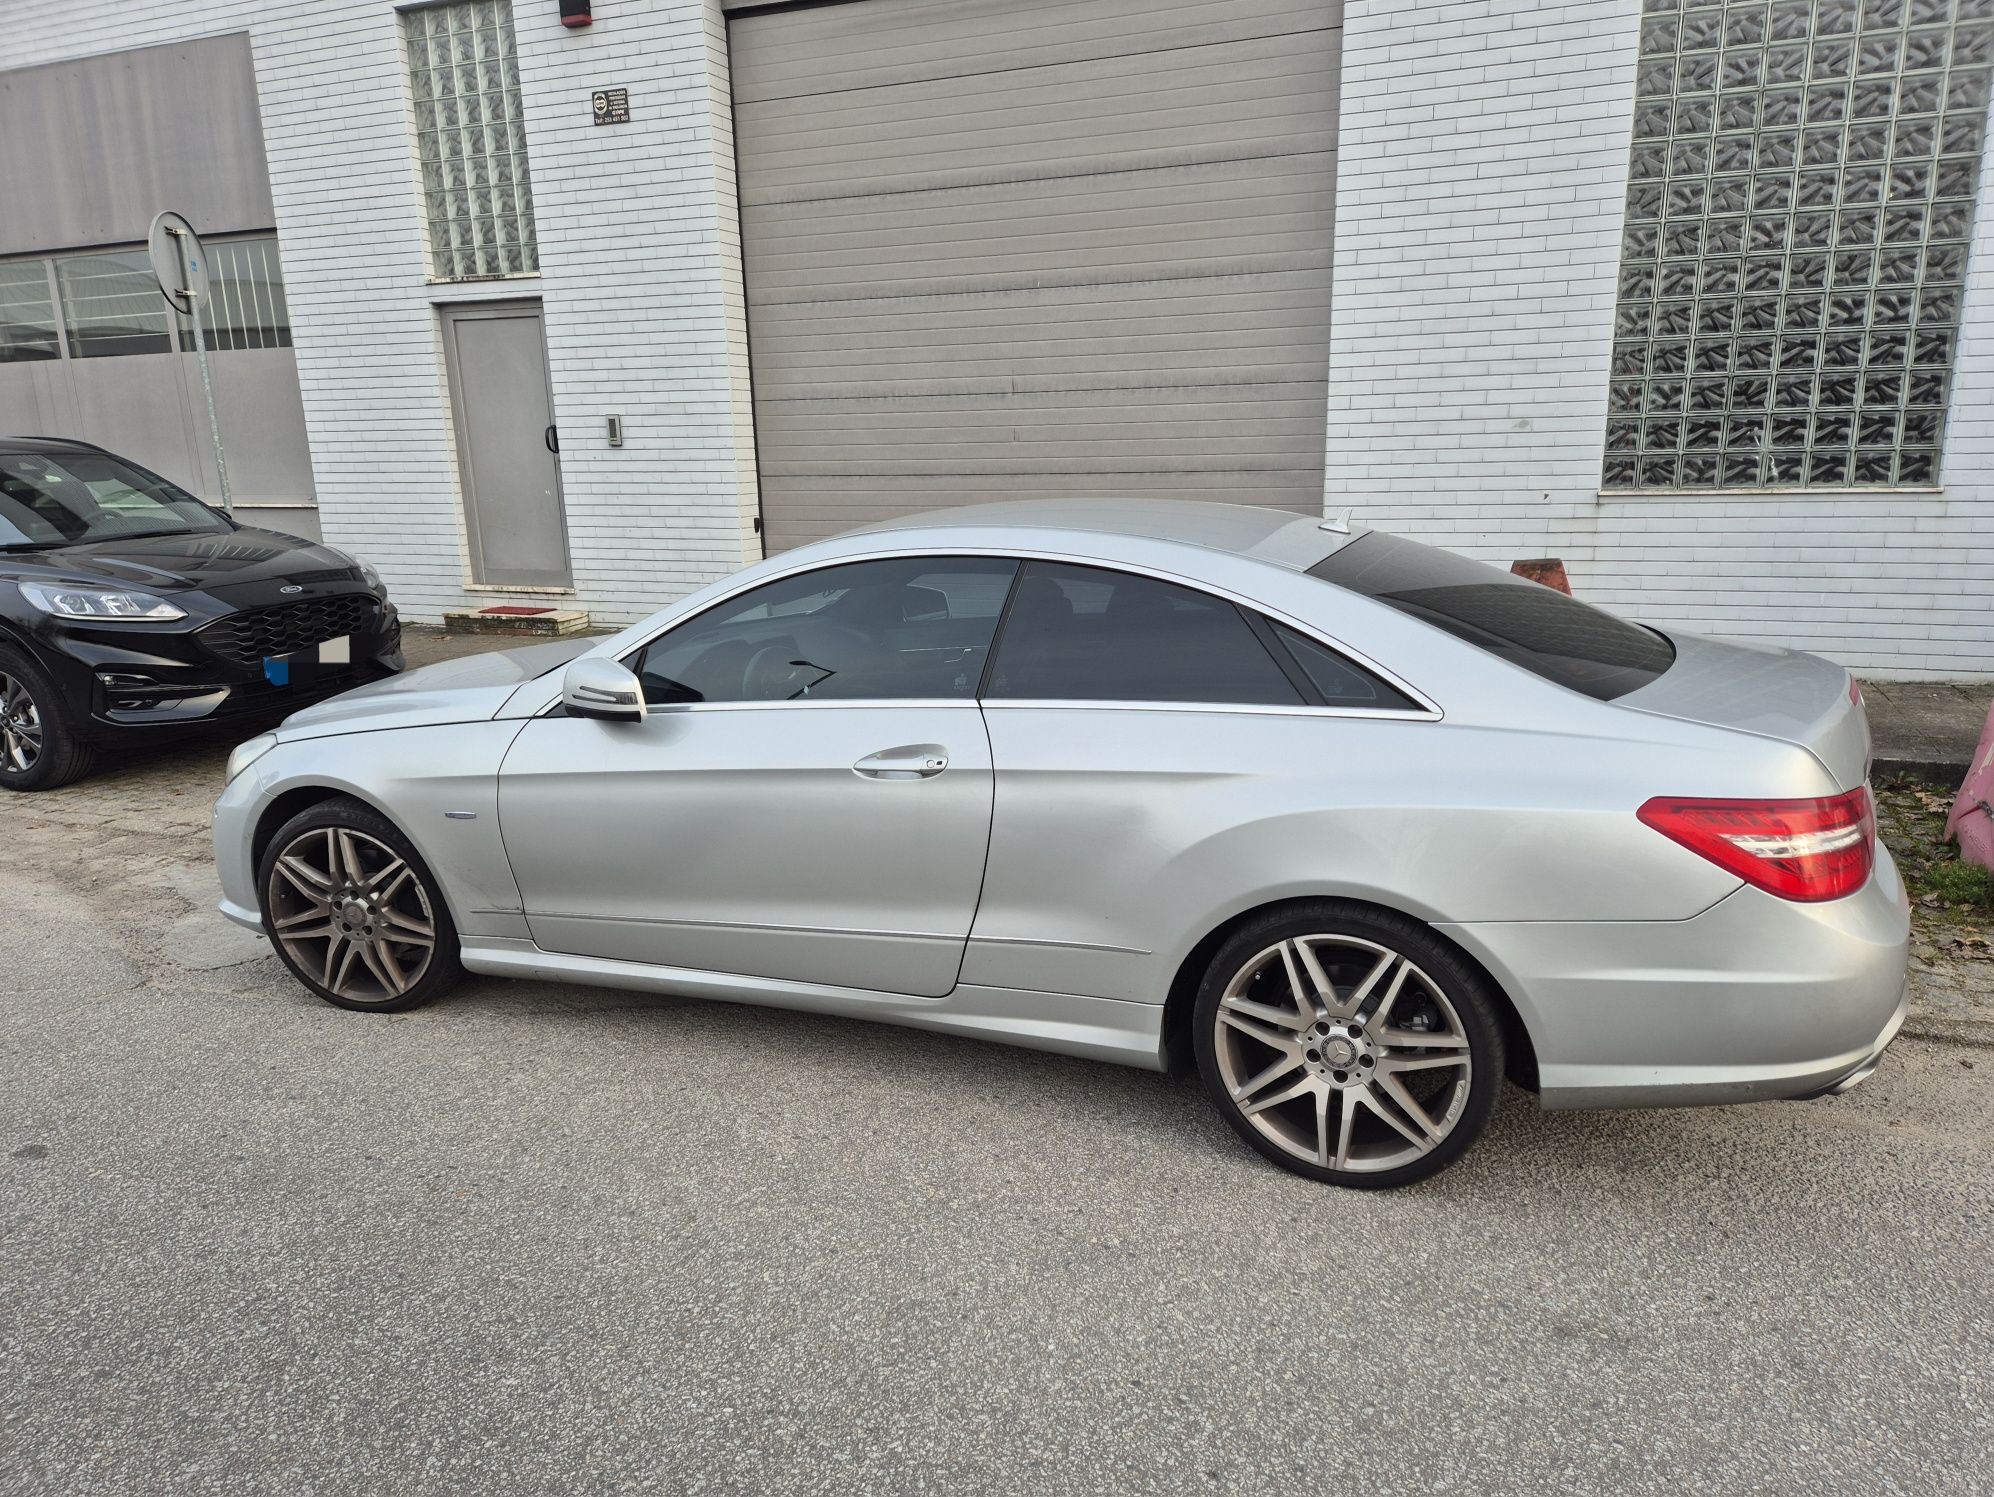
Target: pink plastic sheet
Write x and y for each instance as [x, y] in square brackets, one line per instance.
[1972, 819]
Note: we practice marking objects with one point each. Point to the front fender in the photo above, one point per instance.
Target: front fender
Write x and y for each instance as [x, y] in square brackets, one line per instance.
[438, 785]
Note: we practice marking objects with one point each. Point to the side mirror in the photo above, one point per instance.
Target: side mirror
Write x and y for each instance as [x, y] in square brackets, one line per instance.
[602, 689]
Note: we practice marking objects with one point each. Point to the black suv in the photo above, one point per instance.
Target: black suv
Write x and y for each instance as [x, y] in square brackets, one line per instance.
[129, 607]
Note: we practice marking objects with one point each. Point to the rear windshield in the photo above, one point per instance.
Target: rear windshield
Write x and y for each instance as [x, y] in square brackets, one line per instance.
[1526, 623]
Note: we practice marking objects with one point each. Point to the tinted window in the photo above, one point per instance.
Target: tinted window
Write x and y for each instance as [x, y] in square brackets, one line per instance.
[918, 627]
[1084, 634]
[1339, 682]
[1526, 623]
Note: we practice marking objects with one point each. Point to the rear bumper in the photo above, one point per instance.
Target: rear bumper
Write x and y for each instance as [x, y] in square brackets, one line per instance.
[1757, 998]
[1866, 1067]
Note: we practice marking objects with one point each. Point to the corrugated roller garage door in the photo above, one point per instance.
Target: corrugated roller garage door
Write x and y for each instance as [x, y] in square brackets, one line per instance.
[1005, 248]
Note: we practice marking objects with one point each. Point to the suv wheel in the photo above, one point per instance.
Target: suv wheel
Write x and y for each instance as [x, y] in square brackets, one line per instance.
[39, 749]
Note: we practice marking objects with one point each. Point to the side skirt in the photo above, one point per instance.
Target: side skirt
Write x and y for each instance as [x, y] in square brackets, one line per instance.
[1129, 1034]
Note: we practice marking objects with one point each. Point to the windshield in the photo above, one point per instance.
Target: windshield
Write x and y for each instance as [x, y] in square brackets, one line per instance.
[1525, 623]
[57, 499]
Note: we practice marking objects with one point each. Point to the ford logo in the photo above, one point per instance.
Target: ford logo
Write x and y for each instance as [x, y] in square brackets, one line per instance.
[293, 588]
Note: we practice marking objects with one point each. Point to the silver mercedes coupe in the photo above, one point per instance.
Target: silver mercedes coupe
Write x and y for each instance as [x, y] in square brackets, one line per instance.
[1354, 826]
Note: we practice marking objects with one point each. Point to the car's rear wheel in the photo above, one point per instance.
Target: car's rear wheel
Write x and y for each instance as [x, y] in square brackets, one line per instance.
[1348, 1044]
[39, 749]
[354, 913]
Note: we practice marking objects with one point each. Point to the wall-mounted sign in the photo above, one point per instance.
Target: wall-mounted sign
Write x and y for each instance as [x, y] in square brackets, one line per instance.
[611, 106]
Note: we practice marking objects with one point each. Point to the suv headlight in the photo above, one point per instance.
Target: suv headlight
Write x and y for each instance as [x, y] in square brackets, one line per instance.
[88, 603]
[369, 575]
[248, 753]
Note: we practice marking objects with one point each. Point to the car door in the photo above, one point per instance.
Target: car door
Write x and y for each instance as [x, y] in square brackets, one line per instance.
[807, 800]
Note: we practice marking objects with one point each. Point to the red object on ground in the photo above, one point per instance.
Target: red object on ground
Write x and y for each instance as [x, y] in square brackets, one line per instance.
[515, 610]
[1548, 570]
[1972, 819]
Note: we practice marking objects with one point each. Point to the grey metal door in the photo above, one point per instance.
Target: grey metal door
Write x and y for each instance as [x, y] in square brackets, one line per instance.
[1009, 248]
[506, 445]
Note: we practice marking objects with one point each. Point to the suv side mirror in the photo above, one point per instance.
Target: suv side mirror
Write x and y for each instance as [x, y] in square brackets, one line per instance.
[603, 689]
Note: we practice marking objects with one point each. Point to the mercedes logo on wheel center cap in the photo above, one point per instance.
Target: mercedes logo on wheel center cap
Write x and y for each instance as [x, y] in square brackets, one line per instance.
[1339, 1051]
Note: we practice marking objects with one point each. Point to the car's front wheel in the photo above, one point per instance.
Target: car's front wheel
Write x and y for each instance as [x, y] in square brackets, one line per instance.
[39, 749]
[1348, 1044]
[353, 911]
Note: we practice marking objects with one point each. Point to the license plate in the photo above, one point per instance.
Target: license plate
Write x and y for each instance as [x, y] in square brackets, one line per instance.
[300, 666]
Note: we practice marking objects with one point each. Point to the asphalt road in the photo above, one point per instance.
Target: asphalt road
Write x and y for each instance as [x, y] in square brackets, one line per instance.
[552, 1239]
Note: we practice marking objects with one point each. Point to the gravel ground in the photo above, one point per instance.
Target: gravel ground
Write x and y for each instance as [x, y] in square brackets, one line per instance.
[552, 1239]
[1952, 937]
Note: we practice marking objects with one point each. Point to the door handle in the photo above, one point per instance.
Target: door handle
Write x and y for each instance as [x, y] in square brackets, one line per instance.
[552, 438]
[913, 761]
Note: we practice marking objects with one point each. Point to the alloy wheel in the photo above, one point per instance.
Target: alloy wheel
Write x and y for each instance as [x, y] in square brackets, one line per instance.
[352, 914]
[20, 727]
[1343, 1053]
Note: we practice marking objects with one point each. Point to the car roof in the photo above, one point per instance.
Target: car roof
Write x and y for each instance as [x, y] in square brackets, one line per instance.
[1276, 535]
[46, 444]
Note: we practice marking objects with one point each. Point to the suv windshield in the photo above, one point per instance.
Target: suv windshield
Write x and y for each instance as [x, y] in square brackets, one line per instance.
[56, 499]
[1526, 623]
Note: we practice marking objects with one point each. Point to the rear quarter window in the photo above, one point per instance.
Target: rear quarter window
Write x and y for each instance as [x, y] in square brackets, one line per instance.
[1529, 625]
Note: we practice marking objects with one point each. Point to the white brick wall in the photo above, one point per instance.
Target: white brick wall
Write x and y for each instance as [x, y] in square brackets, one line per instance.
[1482, 171]
[639, 280]
[1483, 163]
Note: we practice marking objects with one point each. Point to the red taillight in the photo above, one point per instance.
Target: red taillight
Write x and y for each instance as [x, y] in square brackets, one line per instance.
[1807, 850]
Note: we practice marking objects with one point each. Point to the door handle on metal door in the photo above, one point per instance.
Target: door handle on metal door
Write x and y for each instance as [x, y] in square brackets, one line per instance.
[911, 761]
[552, 438]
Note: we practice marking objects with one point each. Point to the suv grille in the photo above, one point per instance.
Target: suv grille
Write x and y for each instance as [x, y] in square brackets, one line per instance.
[247, 638]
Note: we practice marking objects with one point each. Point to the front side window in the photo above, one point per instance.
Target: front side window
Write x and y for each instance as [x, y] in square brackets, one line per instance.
[1794, 256]
[470, 135]
[1529, 625]
[54, 500]
[916, 628]
[1087, 634]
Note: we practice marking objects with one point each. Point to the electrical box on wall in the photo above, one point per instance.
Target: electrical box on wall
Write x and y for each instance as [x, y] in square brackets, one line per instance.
[576, 13]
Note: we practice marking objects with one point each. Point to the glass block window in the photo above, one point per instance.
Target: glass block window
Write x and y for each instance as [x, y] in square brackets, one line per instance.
[470, 139]
[27, 313]
[1798, 211]
[246, 307]
[111, 305]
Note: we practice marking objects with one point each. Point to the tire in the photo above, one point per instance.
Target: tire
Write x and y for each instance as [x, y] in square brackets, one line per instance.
[1393, 1072]
[350, 907]
[39, 749]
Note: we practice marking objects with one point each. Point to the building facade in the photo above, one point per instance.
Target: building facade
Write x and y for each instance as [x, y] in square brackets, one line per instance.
[1692, 295]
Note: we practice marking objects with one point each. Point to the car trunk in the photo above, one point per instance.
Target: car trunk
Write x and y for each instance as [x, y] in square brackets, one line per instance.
[1778, 693]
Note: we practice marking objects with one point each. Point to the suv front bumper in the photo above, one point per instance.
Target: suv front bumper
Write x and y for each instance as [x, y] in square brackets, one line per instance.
[125, 681]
